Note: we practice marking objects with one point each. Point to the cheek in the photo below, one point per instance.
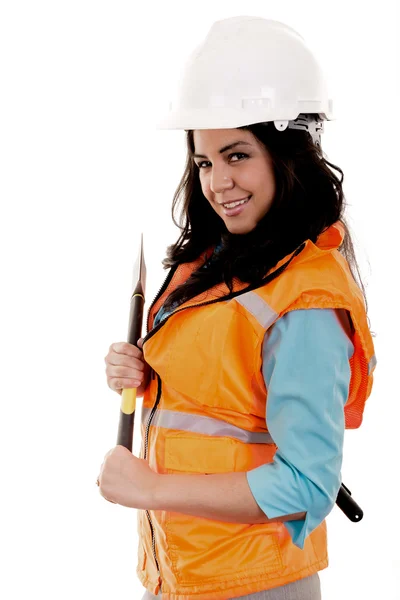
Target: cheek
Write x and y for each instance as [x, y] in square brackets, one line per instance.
[205, 188]
[265, 186]
[271, 188]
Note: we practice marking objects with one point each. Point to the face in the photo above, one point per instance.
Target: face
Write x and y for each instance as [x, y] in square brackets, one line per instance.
[234, 173]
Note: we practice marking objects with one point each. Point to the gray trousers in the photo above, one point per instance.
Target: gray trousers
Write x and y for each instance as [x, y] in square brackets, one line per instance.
[308, 588]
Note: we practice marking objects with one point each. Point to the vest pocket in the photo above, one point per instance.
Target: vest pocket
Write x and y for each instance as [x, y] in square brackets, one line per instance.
[191, 453]
[205, 550]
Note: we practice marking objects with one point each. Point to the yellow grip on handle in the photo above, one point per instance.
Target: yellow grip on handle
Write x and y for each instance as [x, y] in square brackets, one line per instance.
[128, 402]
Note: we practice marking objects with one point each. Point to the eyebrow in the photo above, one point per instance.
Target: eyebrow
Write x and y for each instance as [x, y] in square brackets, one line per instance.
[225, 148]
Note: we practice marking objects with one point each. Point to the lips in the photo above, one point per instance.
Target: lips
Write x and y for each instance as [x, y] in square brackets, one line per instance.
[230, 201]
[237, 210]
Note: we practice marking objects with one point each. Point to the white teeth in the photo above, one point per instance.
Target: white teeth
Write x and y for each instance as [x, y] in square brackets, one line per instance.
[233, 204]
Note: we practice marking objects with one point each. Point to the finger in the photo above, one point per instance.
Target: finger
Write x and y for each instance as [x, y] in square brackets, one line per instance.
[125, 373]
[124, 348]
[123, 383]
[105, 497]
[135, 380]
[121, 360]
[123, 366]
[115, 358]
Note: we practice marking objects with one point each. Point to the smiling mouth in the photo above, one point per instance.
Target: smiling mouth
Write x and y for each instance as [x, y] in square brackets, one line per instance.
[236, 210]
[236, 203]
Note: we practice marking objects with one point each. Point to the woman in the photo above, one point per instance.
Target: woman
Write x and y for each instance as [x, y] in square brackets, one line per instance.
[258, 353]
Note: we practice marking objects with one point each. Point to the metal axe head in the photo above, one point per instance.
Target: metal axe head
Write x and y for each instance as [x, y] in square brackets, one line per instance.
[139, 270]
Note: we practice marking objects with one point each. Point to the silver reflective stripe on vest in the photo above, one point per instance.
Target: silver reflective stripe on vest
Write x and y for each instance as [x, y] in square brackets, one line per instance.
[372, 364]
[264, 314]
[171, 419]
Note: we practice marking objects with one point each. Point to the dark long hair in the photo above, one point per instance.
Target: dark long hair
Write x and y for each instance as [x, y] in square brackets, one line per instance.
[309, 198]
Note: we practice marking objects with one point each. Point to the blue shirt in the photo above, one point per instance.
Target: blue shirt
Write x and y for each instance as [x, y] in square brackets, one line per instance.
[307, 374]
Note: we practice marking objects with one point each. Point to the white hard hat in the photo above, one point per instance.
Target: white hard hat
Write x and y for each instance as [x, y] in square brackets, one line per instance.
[250, 70]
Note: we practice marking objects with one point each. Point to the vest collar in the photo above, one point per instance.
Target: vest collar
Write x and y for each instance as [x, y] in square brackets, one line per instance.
[330, 239]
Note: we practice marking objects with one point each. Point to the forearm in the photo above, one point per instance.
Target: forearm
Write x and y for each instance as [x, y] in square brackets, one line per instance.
[222, 497]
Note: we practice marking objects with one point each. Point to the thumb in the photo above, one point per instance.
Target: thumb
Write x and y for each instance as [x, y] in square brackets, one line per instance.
[140, 342]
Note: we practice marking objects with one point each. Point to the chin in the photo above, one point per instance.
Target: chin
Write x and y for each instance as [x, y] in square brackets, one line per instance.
[240, 228]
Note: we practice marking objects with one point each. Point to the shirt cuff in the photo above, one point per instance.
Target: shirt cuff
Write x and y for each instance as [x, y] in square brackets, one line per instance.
[276, 501]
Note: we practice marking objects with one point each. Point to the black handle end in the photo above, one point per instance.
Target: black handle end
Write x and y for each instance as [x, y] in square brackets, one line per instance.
[346, 503]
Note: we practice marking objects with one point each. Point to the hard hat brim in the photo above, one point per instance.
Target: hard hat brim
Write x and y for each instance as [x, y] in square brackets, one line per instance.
[230, 118]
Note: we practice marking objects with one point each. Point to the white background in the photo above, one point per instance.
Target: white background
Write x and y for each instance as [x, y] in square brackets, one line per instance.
[83, 172]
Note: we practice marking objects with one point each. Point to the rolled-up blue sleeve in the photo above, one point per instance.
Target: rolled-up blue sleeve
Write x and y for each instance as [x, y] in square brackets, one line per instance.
[307, 376]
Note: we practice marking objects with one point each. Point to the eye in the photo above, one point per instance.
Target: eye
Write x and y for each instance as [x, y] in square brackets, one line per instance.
[233, 154]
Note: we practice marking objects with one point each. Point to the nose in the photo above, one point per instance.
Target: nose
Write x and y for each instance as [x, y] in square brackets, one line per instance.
[220, 182]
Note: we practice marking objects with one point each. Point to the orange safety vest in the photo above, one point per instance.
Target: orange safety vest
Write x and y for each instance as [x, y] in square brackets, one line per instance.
[204, 412]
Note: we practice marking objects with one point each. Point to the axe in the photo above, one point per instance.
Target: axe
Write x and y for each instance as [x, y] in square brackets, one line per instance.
[128, 400]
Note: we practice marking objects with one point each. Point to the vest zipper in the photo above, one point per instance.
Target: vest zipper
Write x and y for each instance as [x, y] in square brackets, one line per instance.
[146, 442]
[160, 291]
[153, 411]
